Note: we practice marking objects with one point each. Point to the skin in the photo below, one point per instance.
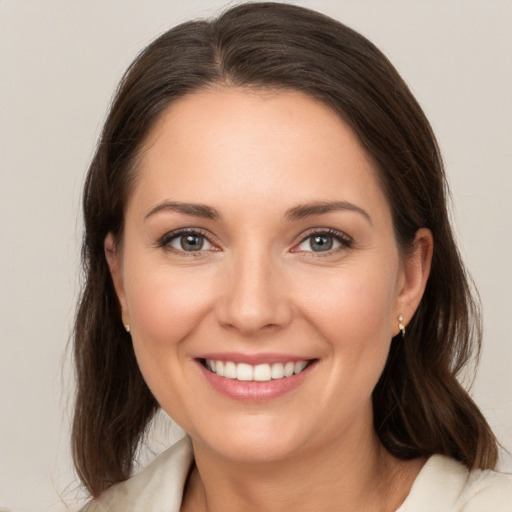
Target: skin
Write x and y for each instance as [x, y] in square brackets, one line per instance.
[257, 287]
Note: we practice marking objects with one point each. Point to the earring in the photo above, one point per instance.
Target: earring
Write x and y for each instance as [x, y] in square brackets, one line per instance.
[127, 328]
[401, 325]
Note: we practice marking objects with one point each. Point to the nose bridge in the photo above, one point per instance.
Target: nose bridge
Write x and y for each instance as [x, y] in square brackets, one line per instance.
[254, 296]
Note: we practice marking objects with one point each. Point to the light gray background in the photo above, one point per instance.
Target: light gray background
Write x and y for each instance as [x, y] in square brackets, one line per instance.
[59, 64]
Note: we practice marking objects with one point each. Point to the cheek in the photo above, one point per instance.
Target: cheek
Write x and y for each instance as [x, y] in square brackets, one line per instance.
[165, 305]
[352, 305]
[165, 309]
[352, 310]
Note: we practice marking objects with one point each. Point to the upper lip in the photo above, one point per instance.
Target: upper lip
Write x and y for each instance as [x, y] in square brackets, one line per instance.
[253, 359]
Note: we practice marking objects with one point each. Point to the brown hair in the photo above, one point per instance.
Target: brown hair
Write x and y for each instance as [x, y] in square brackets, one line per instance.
[419, 406]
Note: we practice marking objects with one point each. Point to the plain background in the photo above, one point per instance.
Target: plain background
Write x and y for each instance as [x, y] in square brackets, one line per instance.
[60, 63]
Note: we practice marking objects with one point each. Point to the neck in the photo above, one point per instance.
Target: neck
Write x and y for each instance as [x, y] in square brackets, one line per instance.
[349, 475]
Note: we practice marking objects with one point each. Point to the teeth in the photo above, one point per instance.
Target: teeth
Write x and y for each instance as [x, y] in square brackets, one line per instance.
[299, 367]
[244, 371]
[230, 370]
[262, 372]
[288, 369]
[259, 373]
[277, 371]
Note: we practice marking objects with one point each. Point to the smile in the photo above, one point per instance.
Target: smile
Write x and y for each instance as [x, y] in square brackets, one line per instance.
[257, 373]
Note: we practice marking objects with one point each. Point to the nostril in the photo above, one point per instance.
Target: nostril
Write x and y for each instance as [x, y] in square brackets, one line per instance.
[254, 314]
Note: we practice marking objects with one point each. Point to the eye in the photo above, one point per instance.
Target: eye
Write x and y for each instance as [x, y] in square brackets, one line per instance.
[187, 241]
[323, 241]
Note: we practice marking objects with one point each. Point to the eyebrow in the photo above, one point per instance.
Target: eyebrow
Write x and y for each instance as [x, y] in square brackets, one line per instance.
[196, 210]
[299, 212]
[320, 207]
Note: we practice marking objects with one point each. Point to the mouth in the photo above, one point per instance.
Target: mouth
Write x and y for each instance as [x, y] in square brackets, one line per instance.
[255, 378]
[264, 372]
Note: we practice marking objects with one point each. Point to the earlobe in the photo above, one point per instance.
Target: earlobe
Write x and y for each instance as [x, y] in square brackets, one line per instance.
[416, 270]
[114, 264]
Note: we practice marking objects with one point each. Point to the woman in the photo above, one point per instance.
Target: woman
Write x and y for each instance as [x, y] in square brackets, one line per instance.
[269, 259]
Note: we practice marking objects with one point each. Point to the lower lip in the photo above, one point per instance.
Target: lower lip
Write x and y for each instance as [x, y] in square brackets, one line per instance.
[254, 391]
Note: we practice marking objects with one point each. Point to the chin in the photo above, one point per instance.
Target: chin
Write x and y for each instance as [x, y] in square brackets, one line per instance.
[257, 450]
[253, 441]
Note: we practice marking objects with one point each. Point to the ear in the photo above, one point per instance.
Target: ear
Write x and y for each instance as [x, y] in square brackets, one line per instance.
[414, 276]
[114, 264]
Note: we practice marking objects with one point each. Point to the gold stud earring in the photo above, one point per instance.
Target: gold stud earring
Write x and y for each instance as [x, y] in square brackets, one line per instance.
[401, 325]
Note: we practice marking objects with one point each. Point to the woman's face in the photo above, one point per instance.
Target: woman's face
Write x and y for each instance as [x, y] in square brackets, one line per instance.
[258, 242]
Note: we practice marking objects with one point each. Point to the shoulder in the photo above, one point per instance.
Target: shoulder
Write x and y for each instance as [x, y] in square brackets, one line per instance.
[445, 485]
[487, 490]
[157, 487]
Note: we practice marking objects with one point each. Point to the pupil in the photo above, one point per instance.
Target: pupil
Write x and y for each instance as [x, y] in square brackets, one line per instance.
[191, 242]
[321, 243]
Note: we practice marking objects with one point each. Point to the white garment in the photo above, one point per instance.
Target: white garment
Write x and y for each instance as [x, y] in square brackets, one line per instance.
[443, 485]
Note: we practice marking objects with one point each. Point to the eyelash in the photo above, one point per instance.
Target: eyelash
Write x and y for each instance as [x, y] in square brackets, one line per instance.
[173, 235]
[342, 238]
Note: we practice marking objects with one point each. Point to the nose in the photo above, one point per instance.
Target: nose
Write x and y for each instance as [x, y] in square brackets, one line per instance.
[254, 296]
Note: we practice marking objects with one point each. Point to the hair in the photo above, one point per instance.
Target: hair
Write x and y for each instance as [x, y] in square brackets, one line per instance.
[419, 406]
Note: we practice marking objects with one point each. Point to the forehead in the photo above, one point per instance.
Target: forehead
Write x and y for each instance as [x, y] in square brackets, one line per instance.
[228, 145]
